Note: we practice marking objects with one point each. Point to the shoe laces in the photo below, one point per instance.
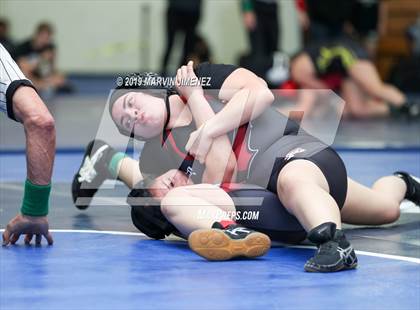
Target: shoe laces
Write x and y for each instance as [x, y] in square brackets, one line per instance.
[87, 171]
[327, 247]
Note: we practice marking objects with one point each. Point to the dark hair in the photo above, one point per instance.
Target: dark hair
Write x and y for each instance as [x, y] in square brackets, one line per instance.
[4, 22]
[159, 90]
[145, 213]
[44, 26]
[143, 186]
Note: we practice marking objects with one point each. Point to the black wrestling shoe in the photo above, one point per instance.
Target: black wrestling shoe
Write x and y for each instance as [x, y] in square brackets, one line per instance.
[224, 244]
[334, 252]
[413, 107]
[92, 173]
[413, 186]
[409, 110]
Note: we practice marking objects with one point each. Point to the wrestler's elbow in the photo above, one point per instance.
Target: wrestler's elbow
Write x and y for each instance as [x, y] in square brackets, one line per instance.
[38, 121]
[261, 99]
[265, 97]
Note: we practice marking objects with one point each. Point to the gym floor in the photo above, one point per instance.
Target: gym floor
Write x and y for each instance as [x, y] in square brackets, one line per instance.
[100, 261]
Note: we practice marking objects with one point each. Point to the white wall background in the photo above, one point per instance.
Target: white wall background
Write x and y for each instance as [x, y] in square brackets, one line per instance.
[100, 36]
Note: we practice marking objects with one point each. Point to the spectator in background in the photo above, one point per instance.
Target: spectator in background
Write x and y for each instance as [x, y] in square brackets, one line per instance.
[36, 57]
[364, 18]
[325, 20]
[181, 17]
[4, 37]
[364, 21]
[345, 67]
[201, 51]
[406, 72]
[260, 18]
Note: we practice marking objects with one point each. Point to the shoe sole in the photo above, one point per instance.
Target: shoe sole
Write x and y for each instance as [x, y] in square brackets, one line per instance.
[339, 267]
[215, 245]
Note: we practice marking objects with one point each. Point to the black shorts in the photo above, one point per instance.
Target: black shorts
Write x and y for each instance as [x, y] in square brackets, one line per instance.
[331, 165]
[266, 214]
[335, 57]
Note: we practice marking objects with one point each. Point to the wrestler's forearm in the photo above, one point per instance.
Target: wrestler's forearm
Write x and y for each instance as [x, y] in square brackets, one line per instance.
[40, 134]
[246, 95]
[40, 151]
[220, 162]
[200, 108]
[245, 105]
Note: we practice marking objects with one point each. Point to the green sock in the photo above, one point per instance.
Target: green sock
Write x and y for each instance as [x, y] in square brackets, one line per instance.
[35, 199]
[113, 166]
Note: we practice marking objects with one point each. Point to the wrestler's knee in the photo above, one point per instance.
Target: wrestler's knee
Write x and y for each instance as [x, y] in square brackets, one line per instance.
[171, 204]
[288, 184]
[391, 211]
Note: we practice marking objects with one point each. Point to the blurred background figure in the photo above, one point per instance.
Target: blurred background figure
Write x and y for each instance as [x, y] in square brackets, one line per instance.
[5, 39]
[344, 67]
[36, 57]
[182, 17]
[323, 20]
[201, 51]
[405, 74]
[326, 20]
[364, 23]
[260, 18]
[261, 21]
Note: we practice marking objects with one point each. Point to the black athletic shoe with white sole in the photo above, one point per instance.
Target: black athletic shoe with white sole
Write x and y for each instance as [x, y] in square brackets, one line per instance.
[92, 173]
[413, 186]
[410, 109]
[224, 244]
[413, 106]
[334, 252]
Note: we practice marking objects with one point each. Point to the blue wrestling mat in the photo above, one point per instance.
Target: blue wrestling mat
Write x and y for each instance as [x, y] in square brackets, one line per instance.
[106, 271]
[90, 268]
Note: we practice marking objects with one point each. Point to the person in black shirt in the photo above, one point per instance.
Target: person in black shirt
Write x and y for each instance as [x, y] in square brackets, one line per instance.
[4, 37]
[325, 20]
[182, 17]
[237, 143]
[261, 20]
[36, 57]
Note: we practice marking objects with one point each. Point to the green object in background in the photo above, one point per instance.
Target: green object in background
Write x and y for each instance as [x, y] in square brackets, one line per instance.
[247, 5]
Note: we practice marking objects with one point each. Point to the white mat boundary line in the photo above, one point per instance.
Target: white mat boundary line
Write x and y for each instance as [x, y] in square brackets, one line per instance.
[123, 233]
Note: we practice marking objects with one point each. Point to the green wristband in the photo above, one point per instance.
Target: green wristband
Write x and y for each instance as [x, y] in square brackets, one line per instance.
[35, 199]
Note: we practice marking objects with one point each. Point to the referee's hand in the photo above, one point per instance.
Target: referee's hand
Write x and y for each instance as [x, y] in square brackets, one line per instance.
[29, 225]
